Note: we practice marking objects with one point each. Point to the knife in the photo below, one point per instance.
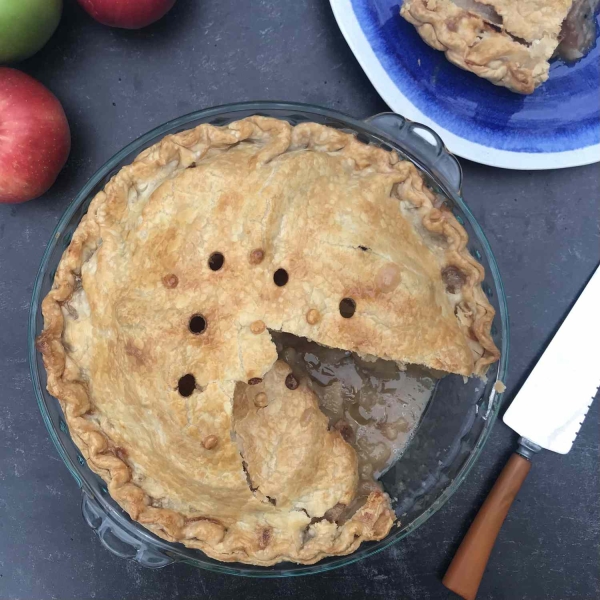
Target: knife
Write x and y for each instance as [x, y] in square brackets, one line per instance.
[547, 413]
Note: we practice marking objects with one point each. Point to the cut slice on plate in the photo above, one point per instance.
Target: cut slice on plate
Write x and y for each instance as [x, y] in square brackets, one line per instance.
[508, 42]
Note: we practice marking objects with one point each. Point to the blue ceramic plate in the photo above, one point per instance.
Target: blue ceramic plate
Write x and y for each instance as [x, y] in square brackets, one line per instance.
[557, 126]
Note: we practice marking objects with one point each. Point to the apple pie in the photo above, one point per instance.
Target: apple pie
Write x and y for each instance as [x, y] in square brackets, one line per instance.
[169, 333]
[508, 42]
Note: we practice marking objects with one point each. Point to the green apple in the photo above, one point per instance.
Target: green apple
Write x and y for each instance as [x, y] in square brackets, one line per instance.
[25, 26]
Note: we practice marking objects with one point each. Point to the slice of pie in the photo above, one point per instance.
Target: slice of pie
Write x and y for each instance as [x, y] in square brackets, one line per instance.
[508, 42]
[160, 330]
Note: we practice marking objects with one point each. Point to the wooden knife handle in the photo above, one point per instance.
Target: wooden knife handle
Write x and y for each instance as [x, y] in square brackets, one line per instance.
[466, 569]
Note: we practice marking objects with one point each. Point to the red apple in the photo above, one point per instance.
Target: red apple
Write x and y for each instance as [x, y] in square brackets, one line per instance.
[128, 14]
[34, 137]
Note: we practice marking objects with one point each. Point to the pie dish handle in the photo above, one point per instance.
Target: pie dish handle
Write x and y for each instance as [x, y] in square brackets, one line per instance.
[424, 144]
[114, 537]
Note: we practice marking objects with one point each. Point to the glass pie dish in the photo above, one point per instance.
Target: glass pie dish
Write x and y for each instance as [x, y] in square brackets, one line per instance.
[455, 423]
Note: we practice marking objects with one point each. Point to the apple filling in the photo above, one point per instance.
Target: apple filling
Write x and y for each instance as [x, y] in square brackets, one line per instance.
[578, 33]
[479, 9]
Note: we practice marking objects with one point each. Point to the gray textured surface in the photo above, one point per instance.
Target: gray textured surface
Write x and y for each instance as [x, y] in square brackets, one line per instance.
[543, 227]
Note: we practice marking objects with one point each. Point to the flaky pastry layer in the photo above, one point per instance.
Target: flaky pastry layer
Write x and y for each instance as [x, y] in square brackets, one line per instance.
[513, 54]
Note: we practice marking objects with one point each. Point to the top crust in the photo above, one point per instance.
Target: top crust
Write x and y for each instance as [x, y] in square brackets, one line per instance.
[292, 459]
[267, 196]
[531, 20]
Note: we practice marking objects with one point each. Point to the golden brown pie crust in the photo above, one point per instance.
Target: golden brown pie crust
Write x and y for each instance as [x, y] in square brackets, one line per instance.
[513, 54]
[239, 462]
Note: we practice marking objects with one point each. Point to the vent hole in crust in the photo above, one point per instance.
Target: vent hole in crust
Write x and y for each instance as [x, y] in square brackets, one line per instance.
[187, 385]
[216, 261]
[280, 277]
[347, 308]
[291, 382]
[197, 324]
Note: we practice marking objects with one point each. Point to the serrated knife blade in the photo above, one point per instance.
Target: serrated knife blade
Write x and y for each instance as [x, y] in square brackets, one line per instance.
[552, 404]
